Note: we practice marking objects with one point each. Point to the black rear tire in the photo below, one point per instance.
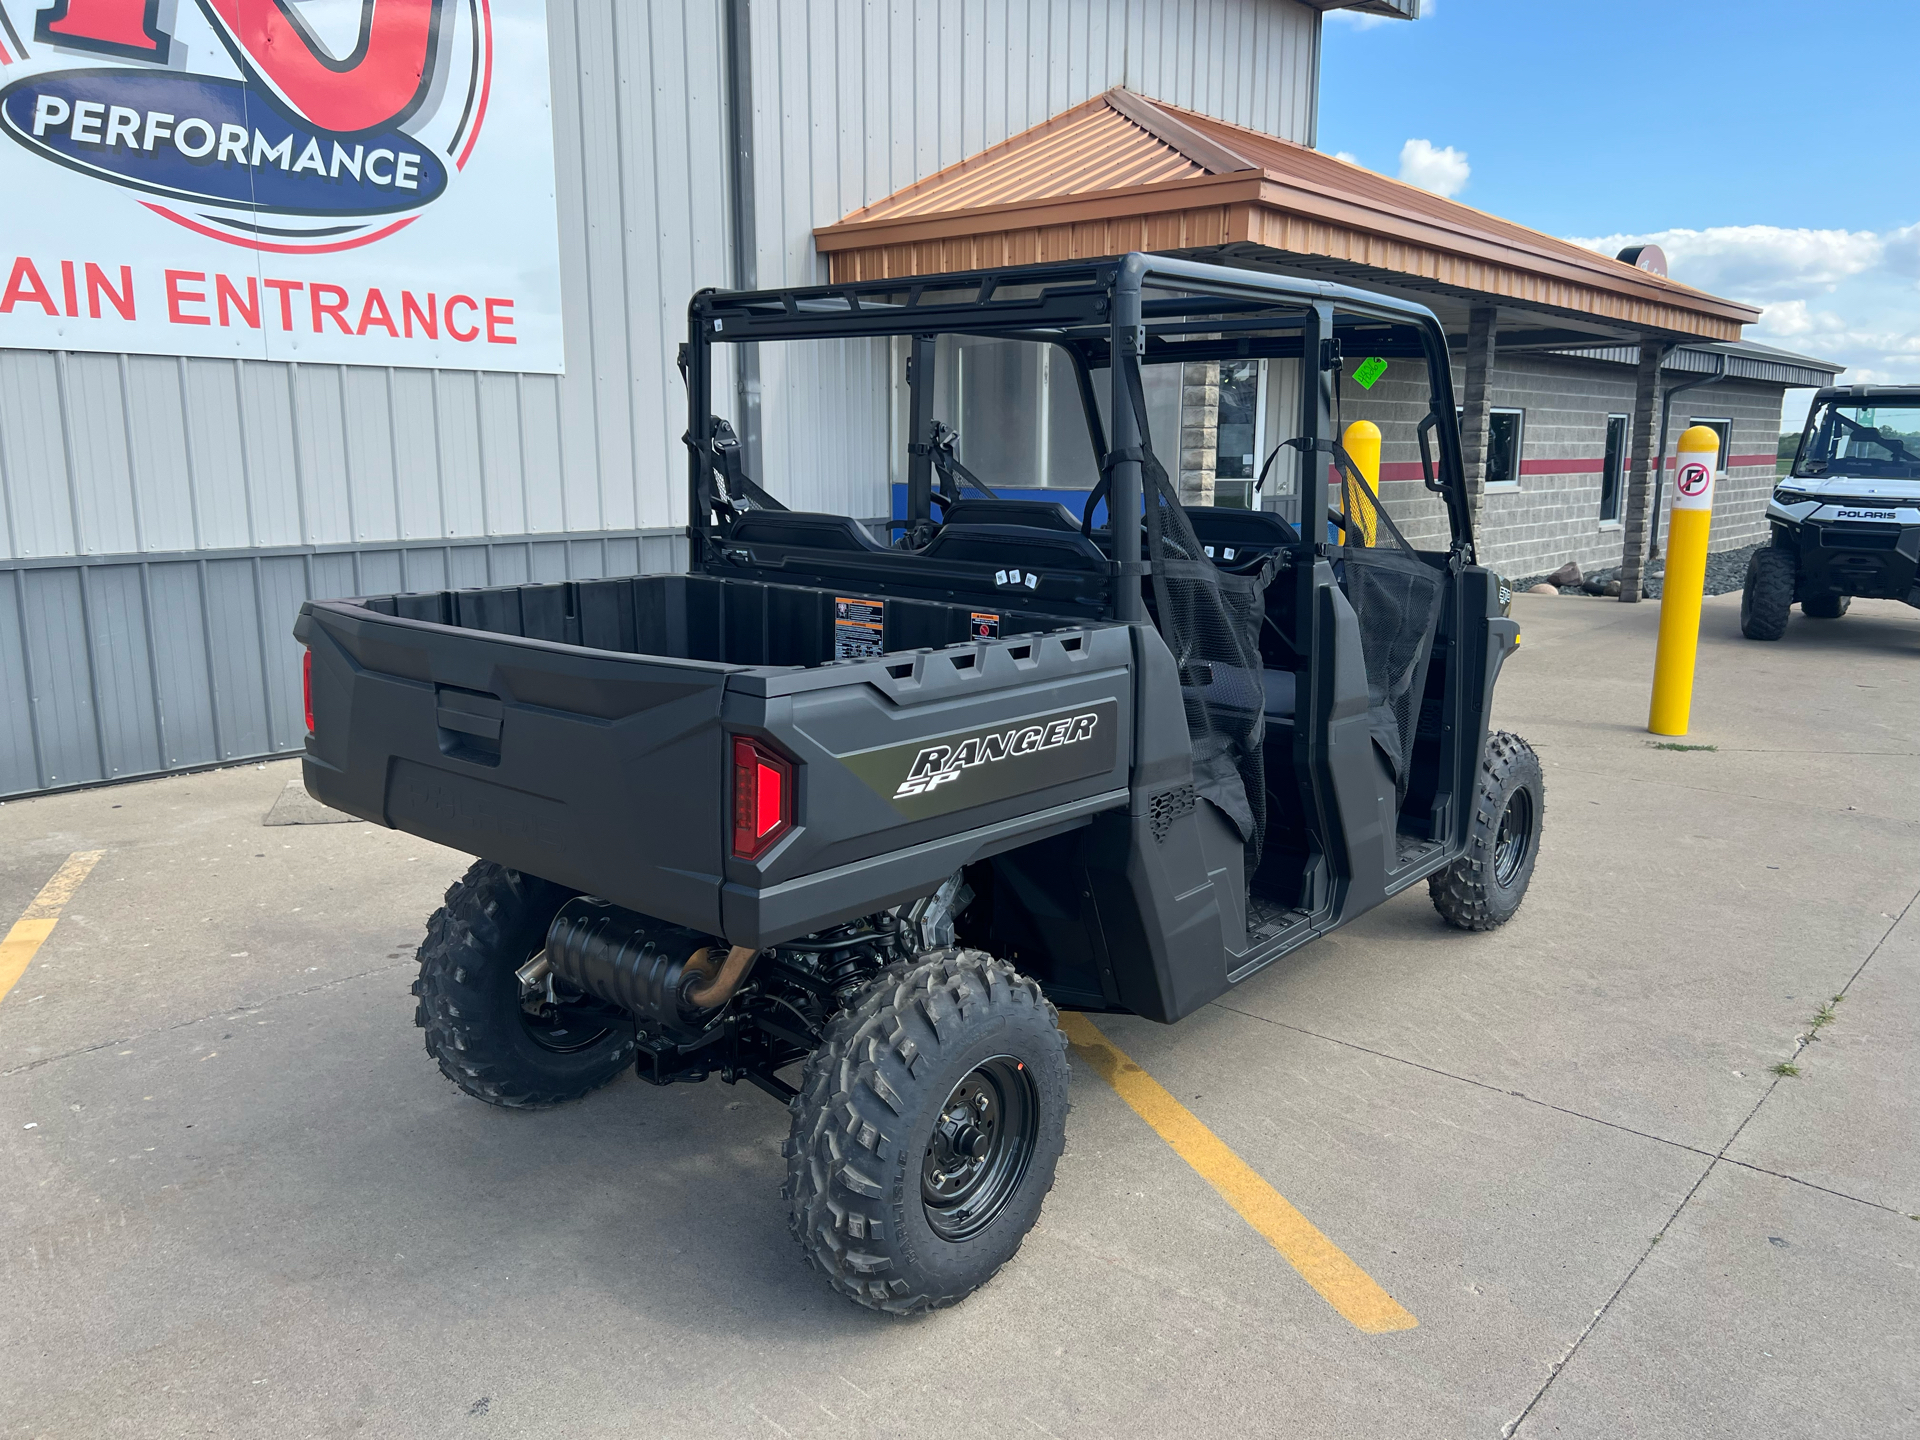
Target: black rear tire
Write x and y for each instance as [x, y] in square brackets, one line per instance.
[1482, 889]
[905, 1203]
[1825, 607]
[1766, 600]
[485, 1040]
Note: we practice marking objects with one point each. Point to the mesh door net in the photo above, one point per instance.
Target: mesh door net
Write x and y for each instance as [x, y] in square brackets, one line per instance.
[1396, 598]
[1211, 621]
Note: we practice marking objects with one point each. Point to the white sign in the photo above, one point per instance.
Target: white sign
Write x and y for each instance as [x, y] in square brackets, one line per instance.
[363, 182]
[1693, 481]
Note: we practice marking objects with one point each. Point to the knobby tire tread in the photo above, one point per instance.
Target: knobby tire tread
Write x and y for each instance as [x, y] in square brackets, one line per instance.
[469, 939]
[861, 1094]
[1465, 893]
[1766, 600]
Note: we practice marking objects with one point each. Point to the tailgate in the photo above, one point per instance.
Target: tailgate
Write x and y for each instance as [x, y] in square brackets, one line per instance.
[598, 770]
[914, 764]
[611, 773]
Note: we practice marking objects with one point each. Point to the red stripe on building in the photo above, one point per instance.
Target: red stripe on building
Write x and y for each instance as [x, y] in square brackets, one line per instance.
[1402, 470]
[1563, 467]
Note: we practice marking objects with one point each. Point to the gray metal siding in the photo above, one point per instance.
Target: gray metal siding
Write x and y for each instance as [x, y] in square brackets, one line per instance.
[161, 519]
[127, 665]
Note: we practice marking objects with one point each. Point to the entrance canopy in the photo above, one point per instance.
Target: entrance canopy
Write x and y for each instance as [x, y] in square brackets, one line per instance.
[1122, 173]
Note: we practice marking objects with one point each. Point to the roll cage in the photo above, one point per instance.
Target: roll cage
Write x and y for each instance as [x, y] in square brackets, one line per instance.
[1109, 315]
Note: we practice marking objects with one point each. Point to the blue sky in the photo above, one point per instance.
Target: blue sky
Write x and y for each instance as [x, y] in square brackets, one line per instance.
[1733, 132]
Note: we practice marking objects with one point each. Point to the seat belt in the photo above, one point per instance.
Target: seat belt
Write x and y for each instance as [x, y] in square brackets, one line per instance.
[955, 477]
[724, 460]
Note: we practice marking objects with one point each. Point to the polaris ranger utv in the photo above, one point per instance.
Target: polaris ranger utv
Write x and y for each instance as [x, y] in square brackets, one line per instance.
[875, 810]
[1846, 520]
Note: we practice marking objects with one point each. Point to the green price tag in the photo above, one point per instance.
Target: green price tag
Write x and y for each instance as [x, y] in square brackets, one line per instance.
[1369, 371]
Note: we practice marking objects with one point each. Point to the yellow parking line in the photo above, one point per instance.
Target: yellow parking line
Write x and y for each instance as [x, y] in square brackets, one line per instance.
[30, 931]
[1324, 1265]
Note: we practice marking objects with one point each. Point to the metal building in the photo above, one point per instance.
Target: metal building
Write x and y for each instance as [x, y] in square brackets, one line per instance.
[164, 516]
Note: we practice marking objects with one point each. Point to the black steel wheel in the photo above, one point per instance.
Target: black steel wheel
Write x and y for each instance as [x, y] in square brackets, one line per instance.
[1766, 599]
[1825, 607]
[980, 1148]
[926, 1131]
[1484, 887]
[500, 1040]
[1514, 841]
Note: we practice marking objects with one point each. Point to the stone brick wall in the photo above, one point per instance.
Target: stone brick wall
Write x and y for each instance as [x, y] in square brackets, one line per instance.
[1554, 514]
[1199, 431]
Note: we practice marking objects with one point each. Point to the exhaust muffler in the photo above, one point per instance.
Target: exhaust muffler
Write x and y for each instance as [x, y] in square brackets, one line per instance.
[663, 974]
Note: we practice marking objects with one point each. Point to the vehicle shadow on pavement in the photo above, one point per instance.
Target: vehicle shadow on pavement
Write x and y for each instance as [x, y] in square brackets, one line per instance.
[662, 1202]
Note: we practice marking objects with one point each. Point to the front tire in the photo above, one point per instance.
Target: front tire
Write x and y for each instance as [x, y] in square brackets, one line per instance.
[1825, 607]
[1482, 889]
[487, 1039]
[926, 1131]
[1767, 597]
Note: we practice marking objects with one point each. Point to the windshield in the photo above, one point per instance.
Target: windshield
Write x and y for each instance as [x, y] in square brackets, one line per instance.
[1856, 439]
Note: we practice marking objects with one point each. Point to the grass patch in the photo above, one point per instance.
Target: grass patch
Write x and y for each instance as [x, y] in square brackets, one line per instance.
[1786, 1067]
[1825, 1015]
[1669, 745]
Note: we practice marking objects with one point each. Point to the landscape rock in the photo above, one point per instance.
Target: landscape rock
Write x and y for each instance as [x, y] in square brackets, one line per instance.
[1567, 574]
[1543, 589]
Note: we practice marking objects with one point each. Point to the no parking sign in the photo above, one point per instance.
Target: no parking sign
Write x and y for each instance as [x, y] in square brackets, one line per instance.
[1693, 480]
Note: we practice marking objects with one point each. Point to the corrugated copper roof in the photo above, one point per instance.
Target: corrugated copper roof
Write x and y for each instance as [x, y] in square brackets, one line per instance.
[1283, 160]
[1122, 163]
[1090, 147]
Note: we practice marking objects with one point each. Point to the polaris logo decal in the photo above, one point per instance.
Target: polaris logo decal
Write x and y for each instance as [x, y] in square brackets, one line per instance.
[1867, 515]
[938, 765]
[941, 773]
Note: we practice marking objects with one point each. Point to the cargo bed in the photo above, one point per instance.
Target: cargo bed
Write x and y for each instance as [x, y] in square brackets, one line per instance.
[583, 732]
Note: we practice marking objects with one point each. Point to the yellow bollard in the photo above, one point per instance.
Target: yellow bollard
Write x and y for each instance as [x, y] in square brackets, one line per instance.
[1362, 442]
[1691, 517]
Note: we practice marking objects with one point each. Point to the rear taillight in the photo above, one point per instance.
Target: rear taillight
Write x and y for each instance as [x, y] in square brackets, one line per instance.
[762, 797]
[306, 686]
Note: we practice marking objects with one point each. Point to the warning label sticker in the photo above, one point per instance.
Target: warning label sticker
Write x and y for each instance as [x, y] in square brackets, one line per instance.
[859, 628]
[985, 627]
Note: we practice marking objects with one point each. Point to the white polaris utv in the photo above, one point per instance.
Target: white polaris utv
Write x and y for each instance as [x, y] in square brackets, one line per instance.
[1846, 520]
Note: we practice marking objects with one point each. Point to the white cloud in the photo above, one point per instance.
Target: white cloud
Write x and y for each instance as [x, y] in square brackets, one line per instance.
[1346, 155]
[1760, 262]
[1443, 171]
[1849, 296]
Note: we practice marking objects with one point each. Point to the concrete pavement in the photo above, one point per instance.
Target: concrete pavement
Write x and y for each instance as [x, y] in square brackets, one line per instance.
[248, 1205]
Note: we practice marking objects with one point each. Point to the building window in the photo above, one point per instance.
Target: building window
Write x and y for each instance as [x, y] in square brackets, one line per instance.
[1238, 434]
[1613, 470]
[1505, 436]
[1724, 429]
